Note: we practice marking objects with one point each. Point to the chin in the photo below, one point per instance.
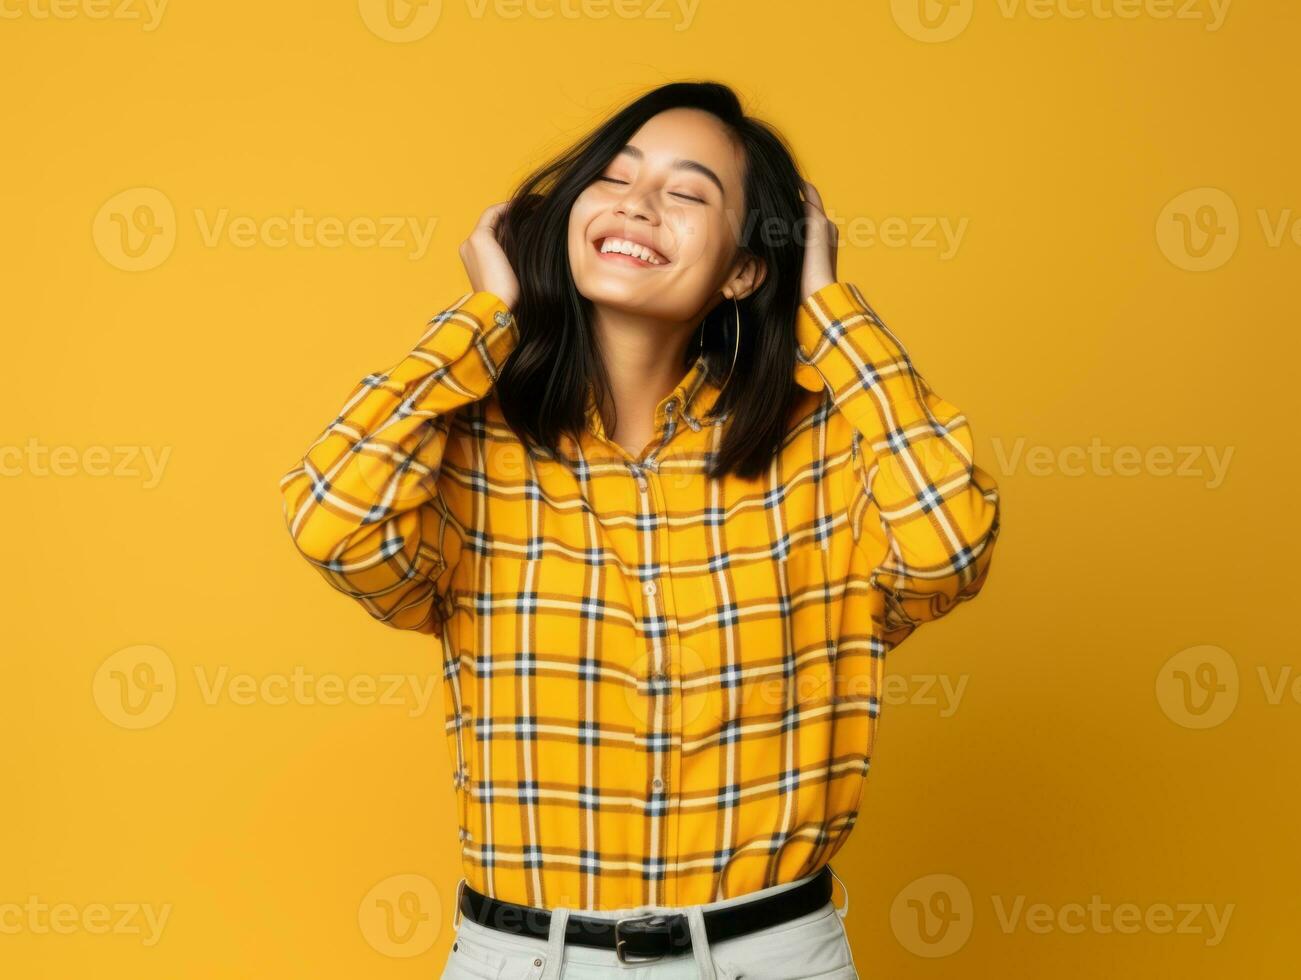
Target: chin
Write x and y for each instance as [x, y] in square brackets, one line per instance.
[601, 286]
[614, 297]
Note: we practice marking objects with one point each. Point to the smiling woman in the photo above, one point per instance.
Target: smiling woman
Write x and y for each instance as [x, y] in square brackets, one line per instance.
[669, 493]
[670, 179]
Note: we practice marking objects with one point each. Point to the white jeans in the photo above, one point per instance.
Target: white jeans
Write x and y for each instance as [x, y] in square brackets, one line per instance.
[810, 946]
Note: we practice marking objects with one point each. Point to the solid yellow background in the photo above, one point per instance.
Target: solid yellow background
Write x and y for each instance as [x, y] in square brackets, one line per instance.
[1040, 199]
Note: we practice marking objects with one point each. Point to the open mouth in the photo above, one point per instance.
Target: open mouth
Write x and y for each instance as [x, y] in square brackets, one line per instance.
[629, 253]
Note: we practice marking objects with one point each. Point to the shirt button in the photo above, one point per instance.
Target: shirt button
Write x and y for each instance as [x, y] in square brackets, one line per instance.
[648, 588]
[670, 406]
[657, 783]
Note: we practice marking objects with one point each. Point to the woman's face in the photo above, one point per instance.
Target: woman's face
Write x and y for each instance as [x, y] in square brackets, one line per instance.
[677, 189]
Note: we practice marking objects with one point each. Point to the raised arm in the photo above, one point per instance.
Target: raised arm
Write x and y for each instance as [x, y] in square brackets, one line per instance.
[363, 505]
[930, 514]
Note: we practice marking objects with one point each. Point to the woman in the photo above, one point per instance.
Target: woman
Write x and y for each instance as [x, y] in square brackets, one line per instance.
[668, 492]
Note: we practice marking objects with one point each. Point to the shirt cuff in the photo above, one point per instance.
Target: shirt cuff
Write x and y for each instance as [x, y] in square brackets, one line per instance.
[496, 323]
[819, 315]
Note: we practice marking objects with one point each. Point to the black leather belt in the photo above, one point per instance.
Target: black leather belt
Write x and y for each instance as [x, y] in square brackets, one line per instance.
[649, 936]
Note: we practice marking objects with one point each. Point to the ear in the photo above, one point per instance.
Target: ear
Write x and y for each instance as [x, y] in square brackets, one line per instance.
[747, 276]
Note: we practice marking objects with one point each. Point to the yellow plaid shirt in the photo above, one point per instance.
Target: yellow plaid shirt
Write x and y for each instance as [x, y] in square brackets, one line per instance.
[660, 689]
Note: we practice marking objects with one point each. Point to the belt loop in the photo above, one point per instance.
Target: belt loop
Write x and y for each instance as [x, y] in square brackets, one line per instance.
[556, 943]
[700, 943]
[843, 910]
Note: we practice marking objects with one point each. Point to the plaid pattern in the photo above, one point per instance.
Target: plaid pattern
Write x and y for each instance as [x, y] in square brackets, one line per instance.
[659, 688]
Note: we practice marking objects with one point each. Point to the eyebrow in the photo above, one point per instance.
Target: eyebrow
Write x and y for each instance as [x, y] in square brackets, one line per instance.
[691, 165]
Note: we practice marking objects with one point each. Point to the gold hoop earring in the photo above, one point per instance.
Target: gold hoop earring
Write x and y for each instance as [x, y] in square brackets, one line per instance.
[736, 344]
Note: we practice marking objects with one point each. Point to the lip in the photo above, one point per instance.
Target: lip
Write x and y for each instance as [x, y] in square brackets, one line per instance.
[628, 259]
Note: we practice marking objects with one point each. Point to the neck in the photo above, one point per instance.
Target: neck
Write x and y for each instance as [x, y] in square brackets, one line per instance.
[643, 358]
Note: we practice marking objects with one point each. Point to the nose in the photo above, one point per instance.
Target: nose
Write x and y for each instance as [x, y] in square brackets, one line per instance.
[633, 206]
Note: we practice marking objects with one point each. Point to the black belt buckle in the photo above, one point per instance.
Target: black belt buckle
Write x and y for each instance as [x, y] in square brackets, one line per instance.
[653, 925]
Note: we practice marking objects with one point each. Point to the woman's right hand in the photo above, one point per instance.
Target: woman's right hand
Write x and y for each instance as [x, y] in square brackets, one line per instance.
[485, 260]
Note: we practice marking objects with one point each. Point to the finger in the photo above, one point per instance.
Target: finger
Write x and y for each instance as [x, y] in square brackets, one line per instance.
[491, 215]
[811, 194]
[818, 228]
[815, 222]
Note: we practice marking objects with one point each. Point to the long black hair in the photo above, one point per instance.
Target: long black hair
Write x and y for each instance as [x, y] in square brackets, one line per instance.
[543, 384]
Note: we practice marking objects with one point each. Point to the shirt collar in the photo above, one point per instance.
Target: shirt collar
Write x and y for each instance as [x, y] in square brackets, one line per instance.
[692, 397]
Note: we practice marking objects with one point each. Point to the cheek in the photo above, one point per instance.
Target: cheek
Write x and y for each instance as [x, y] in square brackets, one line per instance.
[583, 211]
[580, 219]
[703, 243]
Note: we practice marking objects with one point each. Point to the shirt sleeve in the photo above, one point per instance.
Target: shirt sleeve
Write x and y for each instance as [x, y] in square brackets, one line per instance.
[930, 513]
[363, 505]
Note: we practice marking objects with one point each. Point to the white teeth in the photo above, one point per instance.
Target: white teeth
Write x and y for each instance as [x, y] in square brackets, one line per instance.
[630, 248]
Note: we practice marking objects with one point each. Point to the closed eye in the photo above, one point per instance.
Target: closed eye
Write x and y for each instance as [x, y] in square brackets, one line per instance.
[685, 197]
[677, 194]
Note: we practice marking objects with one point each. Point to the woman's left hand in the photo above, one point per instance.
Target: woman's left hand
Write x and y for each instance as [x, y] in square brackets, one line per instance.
[821, 238]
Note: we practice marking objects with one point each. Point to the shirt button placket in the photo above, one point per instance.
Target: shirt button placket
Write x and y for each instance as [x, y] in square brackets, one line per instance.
[659, 602]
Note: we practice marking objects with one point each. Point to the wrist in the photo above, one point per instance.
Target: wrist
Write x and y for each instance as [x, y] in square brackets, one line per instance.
[812, 284]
